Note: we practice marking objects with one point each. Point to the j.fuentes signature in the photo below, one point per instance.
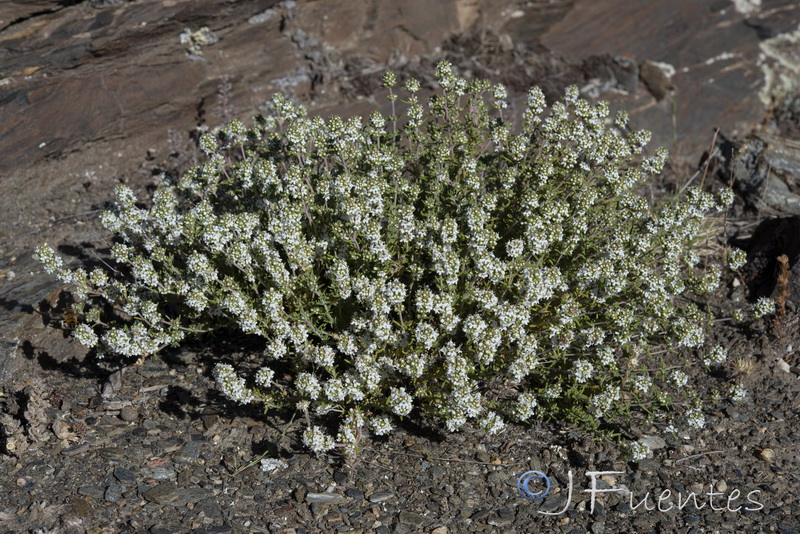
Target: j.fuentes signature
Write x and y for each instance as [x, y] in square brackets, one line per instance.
[535, 485]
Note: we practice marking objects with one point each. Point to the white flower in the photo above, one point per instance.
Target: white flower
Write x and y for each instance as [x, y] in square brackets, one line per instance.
[492, 423]
[448, 255]
[737, 392]
[737, 259]
[716, 356]
[232, 386]
[514, 248]
[641, 383]
[553, 391]
[308, 384]
[606, 355]
[695, 418]
[526, 406]
[763, 306]
[317, 440]
[400, 401]
[85, 335]
[639, 451]
[381, 425]
[264, 377]
[678, 378]
[582, 370]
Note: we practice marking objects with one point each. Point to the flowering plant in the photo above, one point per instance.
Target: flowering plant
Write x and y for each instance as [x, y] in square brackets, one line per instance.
[433, 261]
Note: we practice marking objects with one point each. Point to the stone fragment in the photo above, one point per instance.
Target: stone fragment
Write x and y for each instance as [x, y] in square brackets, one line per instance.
[124, 476]
[113, 493]
[129, 413]
[323, 498]
[380, 496]
[411, 519]
[163, 493]
[657, 77]
[190, 495]
[653, 442]
[767, 454]
[94, 492]
[158, 473]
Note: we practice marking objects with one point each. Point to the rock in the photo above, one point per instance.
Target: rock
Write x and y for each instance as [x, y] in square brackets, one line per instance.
[766, 454]
[190, 495]
[765, 170]
[480, 514]
[113, 493]
[75, 449]
[162, 494]
[124, 476]
[657, 77]
[323, 497]
[653, 442]
[355, 494]
[716, 56]
[190, 451]
[158, 473]
[129, 413]
[94, 492]
[210, 421]
[411, 519]
[380, 496]
[340, 477]
[502, 518]
[270, 465]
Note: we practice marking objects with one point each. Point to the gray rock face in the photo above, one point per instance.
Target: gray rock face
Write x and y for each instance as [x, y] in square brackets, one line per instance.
[713, 48]
[766, 171]
[80, 74]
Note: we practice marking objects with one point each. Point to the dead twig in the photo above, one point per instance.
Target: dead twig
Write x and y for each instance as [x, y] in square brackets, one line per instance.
[685, 458]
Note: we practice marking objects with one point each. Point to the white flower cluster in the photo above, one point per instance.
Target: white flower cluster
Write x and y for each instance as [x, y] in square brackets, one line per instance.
[233, 386]
[716, 356]
[695, 418]
[737, 259]
[763, 307]
[403, 263]
[737, 392]
[317, 440]
[639, 450]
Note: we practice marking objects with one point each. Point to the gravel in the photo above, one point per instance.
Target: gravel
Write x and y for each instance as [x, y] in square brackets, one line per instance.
[167, 472]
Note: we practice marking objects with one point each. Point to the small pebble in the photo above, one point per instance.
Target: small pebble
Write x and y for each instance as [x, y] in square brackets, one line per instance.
[380, 496]
[653, 442]
[356, 494]
[21, 482]
[113, 493]
[324, 497]
[768, 455]
[411, 519]
[129, 413]
[125, 476]
[340, 478]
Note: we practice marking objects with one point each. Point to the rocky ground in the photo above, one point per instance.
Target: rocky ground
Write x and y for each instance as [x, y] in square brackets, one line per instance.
[100, 92]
